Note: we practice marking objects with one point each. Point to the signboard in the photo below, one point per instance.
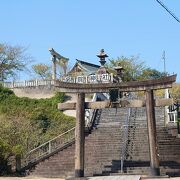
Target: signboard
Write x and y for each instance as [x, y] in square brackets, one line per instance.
[94, 78]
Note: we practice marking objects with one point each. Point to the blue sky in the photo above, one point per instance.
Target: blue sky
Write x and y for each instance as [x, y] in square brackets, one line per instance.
[79, 29]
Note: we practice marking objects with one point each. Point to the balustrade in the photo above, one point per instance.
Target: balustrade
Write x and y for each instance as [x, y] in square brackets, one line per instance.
[102, 78]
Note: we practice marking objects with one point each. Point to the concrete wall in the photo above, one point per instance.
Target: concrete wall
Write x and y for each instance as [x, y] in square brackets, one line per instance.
[35, 92]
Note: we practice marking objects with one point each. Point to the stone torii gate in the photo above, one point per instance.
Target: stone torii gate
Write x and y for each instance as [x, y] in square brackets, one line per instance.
[148, 86]
[56, 57]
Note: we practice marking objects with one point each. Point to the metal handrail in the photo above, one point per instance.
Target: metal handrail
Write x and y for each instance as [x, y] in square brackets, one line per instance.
[125, 139]
[125, 127]
[59, 136]
[93, 112]
[48, 147]
[90, 118]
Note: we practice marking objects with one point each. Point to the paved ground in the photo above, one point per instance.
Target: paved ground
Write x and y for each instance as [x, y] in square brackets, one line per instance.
[127, 177]
[28, 178]
[134, 177]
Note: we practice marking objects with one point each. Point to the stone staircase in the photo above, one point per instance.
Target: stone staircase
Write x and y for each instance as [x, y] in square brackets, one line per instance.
[103, 147]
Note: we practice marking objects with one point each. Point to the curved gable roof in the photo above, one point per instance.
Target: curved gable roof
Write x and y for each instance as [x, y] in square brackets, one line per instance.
[87, 67]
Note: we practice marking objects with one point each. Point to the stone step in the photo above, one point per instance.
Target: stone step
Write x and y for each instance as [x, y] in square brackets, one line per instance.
[103, 147]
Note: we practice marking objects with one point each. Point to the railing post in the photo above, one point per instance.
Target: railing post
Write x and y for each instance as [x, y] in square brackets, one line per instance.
[50, 147]
[122, 164]
[175, 116]
[79, 136]
[18, 163]
[86, 79]
[166, 110]
[178, 121]
[151, 125]
[111, 77]
[36, 82]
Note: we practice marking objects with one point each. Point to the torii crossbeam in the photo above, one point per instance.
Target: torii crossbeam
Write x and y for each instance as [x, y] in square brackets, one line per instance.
[148, 86]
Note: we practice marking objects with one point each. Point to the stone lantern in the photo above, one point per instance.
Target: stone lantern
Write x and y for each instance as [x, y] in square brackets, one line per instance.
[102, 56]
[120, 72]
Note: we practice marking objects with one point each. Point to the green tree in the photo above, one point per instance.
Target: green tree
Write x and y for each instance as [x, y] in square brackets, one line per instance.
[42, 70]
[27, 123]
[149, 73]
[175, 92]
[134, 69]
[18, 136]
[132, 66]
[12, 60]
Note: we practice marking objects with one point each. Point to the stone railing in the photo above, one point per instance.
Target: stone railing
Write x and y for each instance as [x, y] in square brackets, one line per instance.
[30, 83]
[172, 116]
[100, 78]
[95, 78]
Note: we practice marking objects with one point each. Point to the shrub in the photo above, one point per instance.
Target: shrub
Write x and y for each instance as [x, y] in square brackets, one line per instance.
[27, 123]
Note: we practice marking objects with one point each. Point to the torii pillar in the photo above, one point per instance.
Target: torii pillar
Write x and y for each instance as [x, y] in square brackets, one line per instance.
[151, 125]
[54, 67]
[79, 135]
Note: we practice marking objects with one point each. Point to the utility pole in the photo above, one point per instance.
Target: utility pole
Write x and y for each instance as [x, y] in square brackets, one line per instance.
[166, 92]
[164, 58]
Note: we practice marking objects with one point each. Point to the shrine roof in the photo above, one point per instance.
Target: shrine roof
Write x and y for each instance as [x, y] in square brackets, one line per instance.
[86, 67]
